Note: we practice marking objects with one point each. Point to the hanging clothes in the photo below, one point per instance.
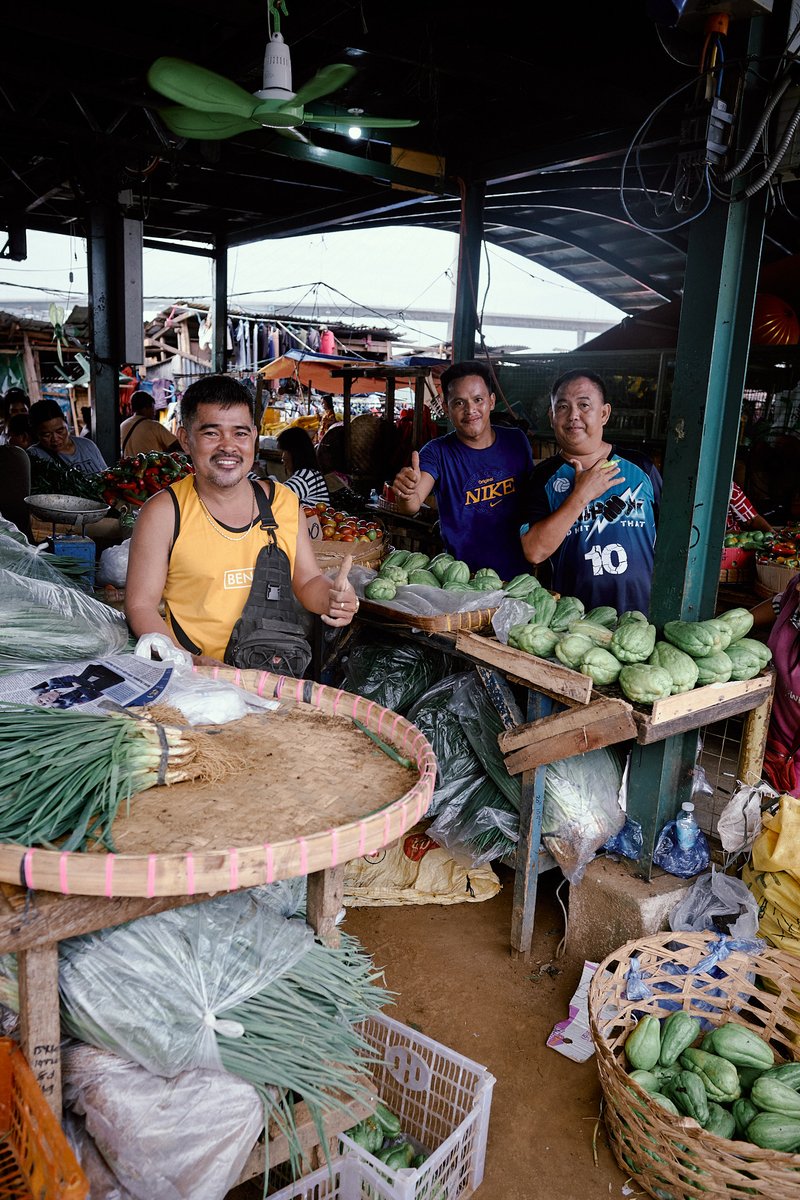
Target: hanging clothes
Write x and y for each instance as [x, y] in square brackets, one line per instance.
[274, 342]
[327, 344]
[312, 337]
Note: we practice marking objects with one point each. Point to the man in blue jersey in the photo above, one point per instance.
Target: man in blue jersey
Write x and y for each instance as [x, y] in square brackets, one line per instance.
[478, 472]
[592, 510]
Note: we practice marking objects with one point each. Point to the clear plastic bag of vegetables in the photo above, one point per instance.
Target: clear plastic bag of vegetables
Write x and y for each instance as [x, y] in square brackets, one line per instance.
[478, 824]
[393, 673]
[23, 559]
[583, 807]
[436, 715]
[482, 725]
[47, 622]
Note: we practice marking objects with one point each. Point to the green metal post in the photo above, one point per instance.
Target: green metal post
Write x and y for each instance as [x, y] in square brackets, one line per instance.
[713, 342]
[465, 319]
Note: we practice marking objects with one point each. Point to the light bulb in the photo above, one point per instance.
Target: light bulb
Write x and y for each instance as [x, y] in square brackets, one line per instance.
[354, 132]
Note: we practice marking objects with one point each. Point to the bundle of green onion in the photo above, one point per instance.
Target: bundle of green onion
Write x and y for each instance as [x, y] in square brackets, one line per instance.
[300, 1036]
[64, 774]
[44, 621]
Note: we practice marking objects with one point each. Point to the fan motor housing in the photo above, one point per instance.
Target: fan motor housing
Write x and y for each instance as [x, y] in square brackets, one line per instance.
[277, 79]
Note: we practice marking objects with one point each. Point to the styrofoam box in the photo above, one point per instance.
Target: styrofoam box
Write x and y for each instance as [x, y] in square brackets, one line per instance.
[443, 1102]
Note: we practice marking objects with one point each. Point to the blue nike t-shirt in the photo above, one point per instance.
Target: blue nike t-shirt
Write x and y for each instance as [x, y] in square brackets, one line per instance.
[607, 556]
[480, 495]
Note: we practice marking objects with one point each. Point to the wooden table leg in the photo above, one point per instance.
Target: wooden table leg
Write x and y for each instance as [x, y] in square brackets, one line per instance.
[40, 1020]
[526, 875]
[325, 892]
[754, 742]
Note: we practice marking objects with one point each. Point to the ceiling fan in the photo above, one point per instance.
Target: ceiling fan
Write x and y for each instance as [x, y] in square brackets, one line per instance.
[210, 107]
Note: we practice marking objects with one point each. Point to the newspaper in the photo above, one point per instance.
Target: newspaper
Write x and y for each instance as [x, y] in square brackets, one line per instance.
[93, 685]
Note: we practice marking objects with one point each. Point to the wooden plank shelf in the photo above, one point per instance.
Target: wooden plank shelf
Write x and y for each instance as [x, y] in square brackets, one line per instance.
[701, 706]
[602, 722]
[552, 679]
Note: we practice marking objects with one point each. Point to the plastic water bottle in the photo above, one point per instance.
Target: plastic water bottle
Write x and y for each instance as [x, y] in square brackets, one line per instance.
[686, 828]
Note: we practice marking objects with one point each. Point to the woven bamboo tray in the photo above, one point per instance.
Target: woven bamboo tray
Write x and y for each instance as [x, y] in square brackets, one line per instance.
[476, 618]
[313, 792]
[674, 1158]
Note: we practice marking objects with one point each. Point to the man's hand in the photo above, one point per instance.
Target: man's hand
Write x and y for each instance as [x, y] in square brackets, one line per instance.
[407, 481]
[342, 601]
[592, 482]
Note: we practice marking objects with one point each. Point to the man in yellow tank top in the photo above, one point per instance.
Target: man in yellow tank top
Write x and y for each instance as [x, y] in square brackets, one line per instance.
[195, 544]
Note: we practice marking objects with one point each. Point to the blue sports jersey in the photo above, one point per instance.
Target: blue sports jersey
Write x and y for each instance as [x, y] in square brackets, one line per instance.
[607, 556]
[480, 495]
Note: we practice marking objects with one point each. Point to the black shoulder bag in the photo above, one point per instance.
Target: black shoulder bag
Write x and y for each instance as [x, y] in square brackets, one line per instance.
[267, 636]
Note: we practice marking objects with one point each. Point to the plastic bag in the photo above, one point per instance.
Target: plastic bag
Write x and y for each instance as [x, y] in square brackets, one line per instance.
[478, 825]
[158, 646]
[718, 902]
[628, 842]
[435, 715]
[510, 612]
[583, 808]
[211, 701]
[482, 724]
[113, 565]
[393, 673]
[422, 601]
[739, 822]
[185, 1138]
[683, 861]
[31, 563]
[151, 990]
[48, 622]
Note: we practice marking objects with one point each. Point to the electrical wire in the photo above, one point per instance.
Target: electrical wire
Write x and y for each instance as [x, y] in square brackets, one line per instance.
[635, 146]
[778, 156]
[562, 945]
[749, 151]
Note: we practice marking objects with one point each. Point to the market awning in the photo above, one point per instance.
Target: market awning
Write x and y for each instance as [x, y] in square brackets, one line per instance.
[318, 371]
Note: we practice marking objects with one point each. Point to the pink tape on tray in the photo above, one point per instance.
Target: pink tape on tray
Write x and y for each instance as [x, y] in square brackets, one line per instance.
[336, 700]
[303, 856]
[151, 874]
[62, 872]
[234, 881]
[27, 868]
[269, 865]
[279, 686]
[262, 682]
[321, 690]
[298, 690]
[384, 712]
[370, 707]
[189, 874]
[109, 876]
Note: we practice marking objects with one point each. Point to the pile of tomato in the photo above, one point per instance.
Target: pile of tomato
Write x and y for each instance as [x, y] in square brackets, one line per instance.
[337, 526]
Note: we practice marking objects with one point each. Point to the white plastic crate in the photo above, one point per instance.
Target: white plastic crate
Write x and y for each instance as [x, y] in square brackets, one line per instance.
[443, 1102]
[347, 1179]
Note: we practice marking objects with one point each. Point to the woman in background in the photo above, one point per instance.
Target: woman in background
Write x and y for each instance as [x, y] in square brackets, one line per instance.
[299, 459]
[782, 755]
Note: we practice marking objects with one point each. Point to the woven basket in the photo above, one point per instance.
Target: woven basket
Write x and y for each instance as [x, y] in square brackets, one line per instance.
[772, 577]
[674, 1158]
[365, 554]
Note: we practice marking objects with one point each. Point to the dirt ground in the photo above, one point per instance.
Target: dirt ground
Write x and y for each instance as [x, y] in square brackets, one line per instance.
[457, 981]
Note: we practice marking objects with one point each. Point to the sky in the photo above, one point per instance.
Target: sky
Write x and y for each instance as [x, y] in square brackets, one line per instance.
[398, 268]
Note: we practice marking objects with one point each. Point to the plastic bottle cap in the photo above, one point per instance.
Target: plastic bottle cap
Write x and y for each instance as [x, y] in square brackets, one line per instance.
[687, 807]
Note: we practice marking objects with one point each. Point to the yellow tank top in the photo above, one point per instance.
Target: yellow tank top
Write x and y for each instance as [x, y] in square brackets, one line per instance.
[209, 577]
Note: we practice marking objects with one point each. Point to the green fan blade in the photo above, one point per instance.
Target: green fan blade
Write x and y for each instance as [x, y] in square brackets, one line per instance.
[209, 127]
[197, 88]
[363, 121]
[328, 79]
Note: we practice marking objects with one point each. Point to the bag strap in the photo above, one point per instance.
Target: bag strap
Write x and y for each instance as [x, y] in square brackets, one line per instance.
[130, 431]
[265, 512]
